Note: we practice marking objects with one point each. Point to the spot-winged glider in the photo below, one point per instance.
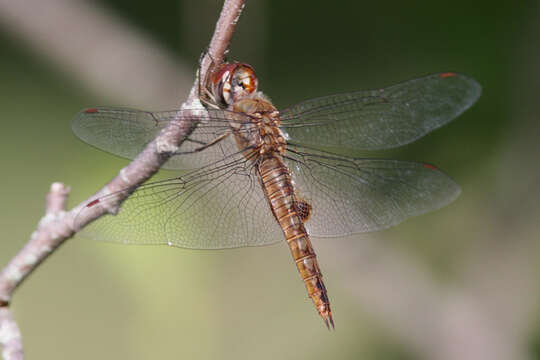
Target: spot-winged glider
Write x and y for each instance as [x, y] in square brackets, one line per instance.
[253, 175]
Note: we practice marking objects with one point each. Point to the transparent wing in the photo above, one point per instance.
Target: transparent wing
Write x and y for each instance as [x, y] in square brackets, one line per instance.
[125, 132]
[216, 207]
[380, 119]
[358, 195]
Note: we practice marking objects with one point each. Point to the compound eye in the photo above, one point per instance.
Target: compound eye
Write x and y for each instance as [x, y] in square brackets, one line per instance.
[244, 82]
[232, 82]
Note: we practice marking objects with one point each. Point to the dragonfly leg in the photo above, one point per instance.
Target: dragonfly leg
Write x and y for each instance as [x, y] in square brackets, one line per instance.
[205, 146]
[205, 94]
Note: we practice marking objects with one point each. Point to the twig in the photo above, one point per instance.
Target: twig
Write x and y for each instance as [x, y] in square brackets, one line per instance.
[10, 336]
[58, 225]
[52, 230]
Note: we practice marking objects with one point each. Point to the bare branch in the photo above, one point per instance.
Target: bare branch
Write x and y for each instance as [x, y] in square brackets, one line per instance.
[56, 199]
[232, 9]
[43, 241]
[58, 225]
[10, 336]
[52, 230]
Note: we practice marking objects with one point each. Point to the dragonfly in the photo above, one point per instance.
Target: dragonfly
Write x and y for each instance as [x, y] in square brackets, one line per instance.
[251, 175]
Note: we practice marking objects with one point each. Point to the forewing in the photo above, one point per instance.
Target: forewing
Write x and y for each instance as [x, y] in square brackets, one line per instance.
[125, 132]
[359, 195]
[380, 119]
[216, 207]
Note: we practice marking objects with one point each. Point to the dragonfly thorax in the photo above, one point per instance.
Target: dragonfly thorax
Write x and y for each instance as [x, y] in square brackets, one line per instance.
[262, 134]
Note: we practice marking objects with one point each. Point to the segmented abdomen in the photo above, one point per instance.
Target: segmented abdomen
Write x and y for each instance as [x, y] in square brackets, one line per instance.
[279, 190]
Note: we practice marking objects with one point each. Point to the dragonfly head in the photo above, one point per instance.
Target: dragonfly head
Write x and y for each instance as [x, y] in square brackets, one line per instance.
[231, 82]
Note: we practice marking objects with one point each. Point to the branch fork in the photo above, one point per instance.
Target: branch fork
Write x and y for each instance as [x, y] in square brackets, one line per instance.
[58, 225]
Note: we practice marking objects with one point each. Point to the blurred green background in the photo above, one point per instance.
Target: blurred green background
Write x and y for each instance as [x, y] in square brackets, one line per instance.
[459, 283]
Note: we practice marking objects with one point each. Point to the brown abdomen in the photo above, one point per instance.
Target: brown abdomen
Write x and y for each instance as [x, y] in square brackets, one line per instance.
[279, 190]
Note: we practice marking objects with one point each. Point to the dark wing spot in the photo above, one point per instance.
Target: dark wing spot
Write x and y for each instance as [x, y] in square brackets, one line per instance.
[448, 74]
[92, 203]
[303, 209]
